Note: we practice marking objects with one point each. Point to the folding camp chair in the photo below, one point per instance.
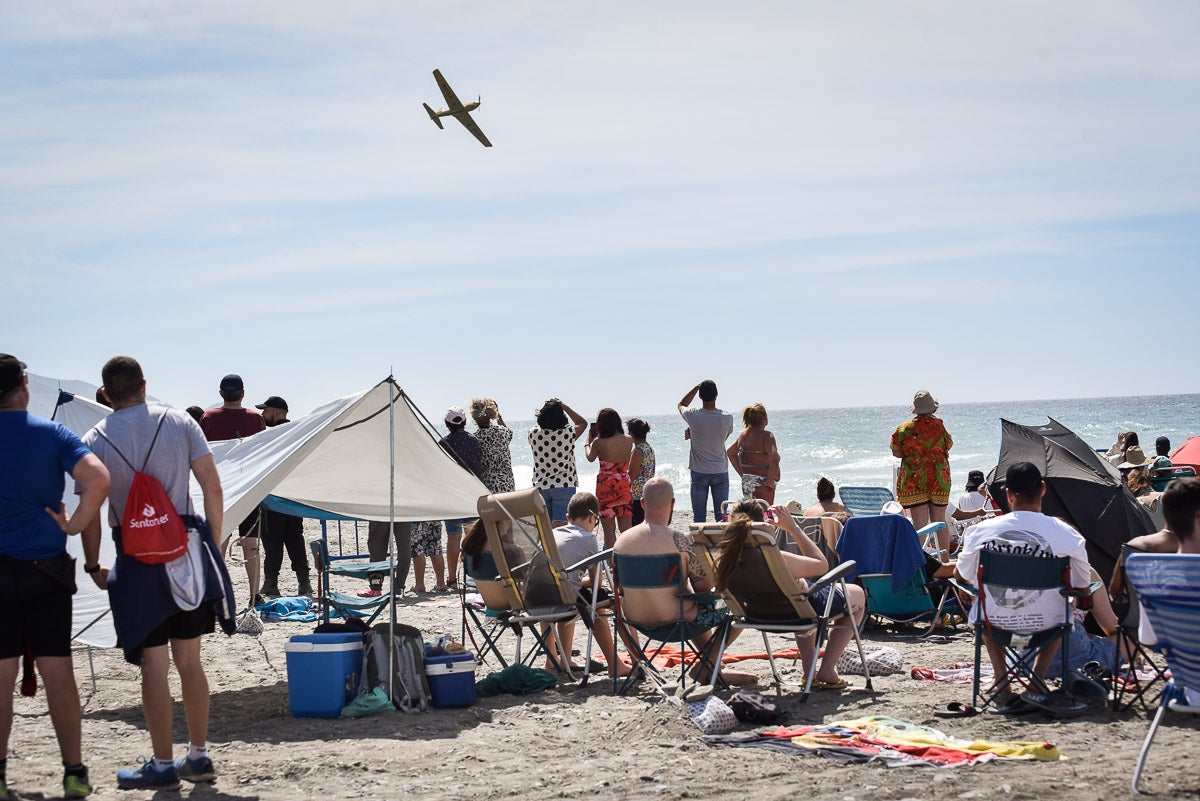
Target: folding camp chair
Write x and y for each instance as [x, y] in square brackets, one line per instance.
[490, 621]
[1160, 477]
[521, 541]
[823, 531]
[860, 501]
[890, 565]
[662, 572]
[763, 595]
[1168, 586]
[349, 605]
[1002, 573]
[1127, 688]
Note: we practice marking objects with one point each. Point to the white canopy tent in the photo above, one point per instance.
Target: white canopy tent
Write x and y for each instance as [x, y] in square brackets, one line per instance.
[338, 460]
[92, 624]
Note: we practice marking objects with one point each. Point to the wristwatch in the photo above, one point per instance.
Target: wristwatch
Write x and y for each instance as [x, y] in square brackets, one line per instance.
[93, 569]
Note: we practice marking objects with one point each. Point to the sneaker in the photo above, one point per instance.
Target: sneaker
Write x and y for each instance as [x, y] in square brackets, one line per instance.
[148, 777]
[196, 770]
[304, 587]
[76, 786]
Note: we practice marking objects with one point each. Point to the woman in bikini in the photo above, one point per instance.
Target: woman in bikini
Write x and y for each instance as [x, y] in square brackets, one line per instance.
[754, 455]
[608, 442]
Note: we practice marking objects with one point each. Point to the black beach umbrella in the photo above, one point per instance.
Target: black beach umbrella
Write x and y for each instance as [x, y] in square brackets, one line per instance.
[1082, 488]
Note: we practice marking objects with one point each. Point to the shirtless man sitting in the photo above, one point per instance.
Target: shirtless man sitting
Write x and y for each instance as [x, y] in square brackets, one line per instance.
[655, 607]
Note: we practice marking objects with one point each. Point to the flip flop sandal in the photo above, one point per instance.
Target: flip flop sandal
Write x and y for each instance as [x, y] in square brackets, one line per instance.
[840, 684]
[1056, 703]
[956, 709]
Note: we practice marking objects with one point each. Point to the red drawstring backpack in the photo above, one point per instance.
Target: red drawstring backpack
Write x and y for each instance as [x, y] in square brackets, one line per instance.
[151, 530]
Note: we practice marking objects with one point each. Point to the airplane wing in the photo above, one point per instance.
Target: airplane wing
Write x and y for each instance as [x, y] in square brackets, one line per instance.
[468, 123]
[452, 102]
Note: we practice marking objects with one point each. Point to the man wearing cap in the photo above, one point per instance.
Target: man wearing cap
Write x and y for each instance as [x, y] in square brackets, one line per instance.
[465, 450]
[37, 576]
[1025, 530]
[1162, 453]
[231, 420]
[278, 529]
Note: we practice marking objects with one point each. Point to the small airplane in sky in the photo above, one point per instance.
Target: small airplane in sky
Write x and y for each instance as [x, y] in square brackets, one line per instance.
[456, 109]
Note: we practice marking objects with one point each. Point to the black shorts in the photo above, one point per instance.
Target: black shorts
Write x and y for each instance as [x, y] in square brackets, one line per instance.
[183, 626]
[35, 606]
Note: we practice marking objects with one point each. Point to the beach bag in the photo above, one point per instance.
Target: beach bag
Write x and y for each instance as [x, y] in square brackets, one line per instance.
[408, 685]
[152, 531]
[712, 715]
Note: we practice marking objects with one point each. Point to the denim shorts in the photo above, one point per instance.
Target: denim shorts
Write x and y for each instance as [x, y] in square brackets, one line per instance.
[454, 528]
[556, 500]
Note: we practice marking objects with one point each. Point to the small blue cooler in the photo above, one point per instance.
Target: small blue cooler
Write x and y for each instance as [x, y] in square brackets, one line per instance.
[323, 673]
[451, 679]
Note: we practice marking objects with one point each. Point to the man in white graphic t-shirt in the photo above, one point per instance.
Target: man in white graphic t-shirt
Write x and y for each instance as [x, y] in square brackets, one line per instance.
[1025, 530]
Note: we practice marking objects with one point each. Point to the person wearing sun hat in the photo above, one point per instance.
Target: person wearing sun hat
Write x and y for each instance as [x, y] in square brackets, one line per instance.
[922, 445]
[1134, 468]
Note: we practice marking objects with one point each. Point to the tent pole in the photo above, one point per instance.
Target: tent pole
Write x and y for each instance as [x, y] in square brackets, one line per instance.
[392, 531]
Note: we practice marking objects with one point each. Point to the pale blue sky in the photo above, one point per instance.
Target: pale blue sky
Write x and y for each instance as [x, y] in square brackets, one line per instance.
[816, 204]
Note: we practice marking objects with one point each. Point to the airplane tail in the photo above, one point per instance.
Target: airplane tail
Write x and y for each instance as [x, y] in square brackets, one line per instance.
[432, 116]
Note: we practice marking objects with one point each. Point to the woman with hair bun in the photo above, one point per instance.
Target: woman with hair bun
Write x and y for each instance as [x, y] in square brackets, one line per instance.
[494, 442]
[641, 466]
[754, 455]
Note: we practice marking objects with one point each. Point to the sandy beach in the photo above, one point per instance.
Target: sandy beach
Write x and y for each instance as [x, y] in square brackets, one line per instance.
[570, 741]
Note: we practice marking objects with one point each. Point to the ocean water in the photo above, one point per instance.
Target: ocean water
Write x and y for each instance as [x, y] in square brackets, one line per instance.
[851, 446]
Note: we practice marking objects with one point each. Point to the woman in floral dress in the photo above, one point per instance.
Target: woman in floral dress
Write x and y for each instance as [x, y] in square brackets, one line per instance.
[922, 445]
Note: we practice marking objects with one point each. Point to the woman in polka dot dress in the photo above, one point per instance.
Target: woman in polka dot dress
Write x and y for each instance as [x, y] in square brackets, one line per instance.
[552, 440]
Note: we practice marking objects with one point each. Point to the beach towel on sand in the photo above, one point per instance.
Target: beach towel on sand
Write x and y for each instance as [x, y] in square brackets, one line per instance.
[882, 739]
[515, 680]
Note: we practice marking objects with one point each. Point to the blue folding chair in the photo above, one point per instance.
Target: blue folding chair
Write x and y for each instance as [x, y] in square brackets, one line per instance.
[864, 501]
[1168, 587]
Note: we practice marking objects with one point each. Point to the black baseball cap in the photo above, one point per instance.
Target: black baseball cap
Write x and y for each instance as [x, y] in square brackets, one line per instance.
[974, 479]
[232, 383]
[12, 370]
[273, 402]
[1023, 478]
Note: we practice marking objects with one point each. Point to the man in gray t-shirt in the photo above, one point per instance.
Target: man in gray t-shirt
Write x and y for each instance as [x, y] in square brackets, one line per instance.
[576, 541]
[153, 628]
[707, 429]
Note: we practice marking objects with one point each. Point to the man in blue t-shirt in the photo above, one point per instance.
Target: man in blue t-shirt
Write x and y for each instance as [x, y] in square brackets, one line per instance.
[37, 576]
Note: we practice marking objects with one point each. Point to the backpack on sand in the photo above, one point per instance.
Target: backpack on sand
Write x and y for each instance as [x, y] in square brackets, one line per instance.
[151, 530]
[409, 687]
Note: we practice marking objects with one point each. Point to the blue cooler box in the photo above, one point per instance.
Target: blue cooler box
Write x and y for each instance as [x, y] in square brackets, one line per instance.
[323, 673]
[451, 679]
